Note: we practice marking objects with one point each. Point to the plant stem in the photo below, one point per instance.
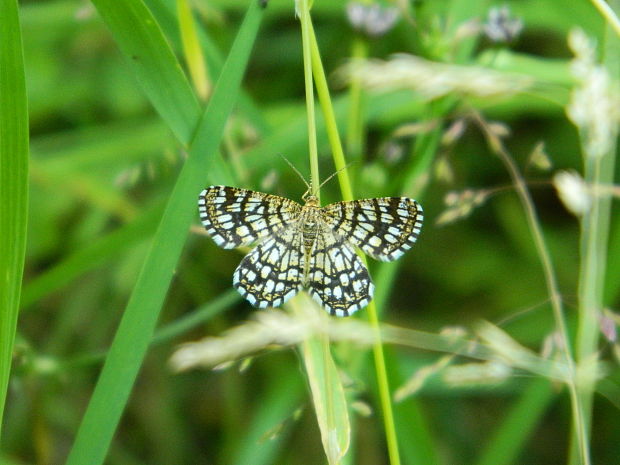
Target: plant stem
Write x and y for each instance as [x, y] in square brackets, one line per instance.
[306, 26]
[330, 119]
[347, 194]
[307, 39]
[383, 385]
[608, 13]
[551, 282]
[598, 171]
[355, 122]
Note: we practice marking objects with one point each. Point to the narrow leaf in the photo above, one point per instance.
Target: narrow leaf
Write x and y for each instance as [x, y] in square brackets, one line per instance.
[138, 323]
[328, 396]
[193, 52]
[142, 42]
[13, 183]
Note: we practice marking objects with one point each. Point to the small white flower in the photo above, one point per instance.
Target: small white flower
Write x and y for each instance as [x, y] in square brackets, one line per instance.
[594, 106]
[608, 322]
[539, 158]
[361, 408]
[371, 19]
[461, 204]
[476, 374]
[573, 191]
[500, 26]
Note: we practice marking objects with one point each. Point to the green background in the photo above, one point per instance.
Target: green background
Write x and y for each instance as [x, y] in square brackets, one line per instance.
[108, 139]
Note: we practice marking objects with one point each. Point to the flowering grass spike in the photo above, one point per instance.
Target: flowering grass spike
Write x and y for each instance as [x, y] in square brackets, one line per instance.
[308, 246]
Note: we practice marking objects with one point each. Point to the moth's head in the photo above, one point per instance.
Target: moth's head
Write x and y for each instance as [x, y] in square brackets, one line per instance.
[310, 199]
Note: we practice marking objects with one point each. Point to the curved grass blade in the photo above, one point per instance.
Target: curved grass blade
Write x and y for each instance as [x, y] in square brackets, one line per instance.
[13, 183]
[138, 323]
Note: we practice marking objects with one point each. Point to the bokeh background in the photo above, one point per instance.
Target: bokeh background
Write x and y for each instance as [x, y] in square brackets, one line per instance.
[103, 164]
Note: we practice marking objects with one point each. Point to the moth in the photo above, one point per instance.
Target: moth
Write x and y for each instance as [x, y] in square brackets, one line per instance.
[308, 246]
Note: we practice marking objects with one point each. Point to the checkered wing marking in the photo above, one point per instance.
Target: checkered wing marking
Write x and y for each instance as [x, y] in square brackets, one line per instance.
[338, 280]
[384, 228]
[273, 272]
[235, 217]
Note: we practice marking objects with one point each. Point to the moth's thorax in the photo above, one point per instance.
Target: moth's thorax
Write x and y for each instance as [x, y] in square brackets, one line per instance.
[310, 222]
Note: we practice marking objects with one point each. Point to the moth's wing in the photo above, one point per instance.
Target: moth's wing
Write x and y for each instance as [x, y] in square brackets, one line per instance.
[383, 228]
[273, 272]
[337, 278]
[235, 217]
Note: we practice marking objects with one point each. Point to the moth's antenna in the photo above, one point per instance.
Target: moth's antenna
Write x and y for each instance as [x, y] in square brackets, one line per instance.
[298, 173]
[334, 174]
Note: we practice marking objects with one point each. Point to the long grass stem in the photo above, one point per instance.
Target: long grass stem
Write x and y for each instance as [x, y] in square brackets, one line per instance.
[355, 121]
[598, 171]
[307, 56]
[608, 13]
[327, 363]
[551, 283]
[347, 194]
[330, 119]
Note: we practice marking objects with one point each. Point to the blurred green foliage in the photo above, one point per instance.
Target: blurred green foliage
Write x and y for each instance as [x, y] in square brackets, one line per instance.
[103, 164]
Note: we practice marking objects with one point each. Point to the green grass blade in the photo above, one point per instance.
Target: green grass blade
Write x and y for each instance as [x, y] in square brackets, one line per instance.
[172, 330]
[141, 40]
[412, 422]
[157, 70]
[330, 404]
[165, 13]
[328, 397]
[508, 440]
[193, 52]
[138, 323]
[293, 137]
[13, 183]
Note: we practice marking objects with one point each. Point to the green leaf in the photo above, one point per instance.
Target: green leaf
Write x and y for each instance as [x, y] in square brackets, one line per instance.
[193, 52]
[328, 397]
[330, 403]
[13, 183]
[138, 323]
[165, 13]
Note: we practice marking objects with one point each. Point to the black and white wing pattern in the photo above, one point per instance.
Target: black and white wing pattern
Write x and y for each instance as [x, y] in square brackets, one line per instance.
[235, 217]
[308, 246]
[273, 272]
[337, 278]
[384, 228]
